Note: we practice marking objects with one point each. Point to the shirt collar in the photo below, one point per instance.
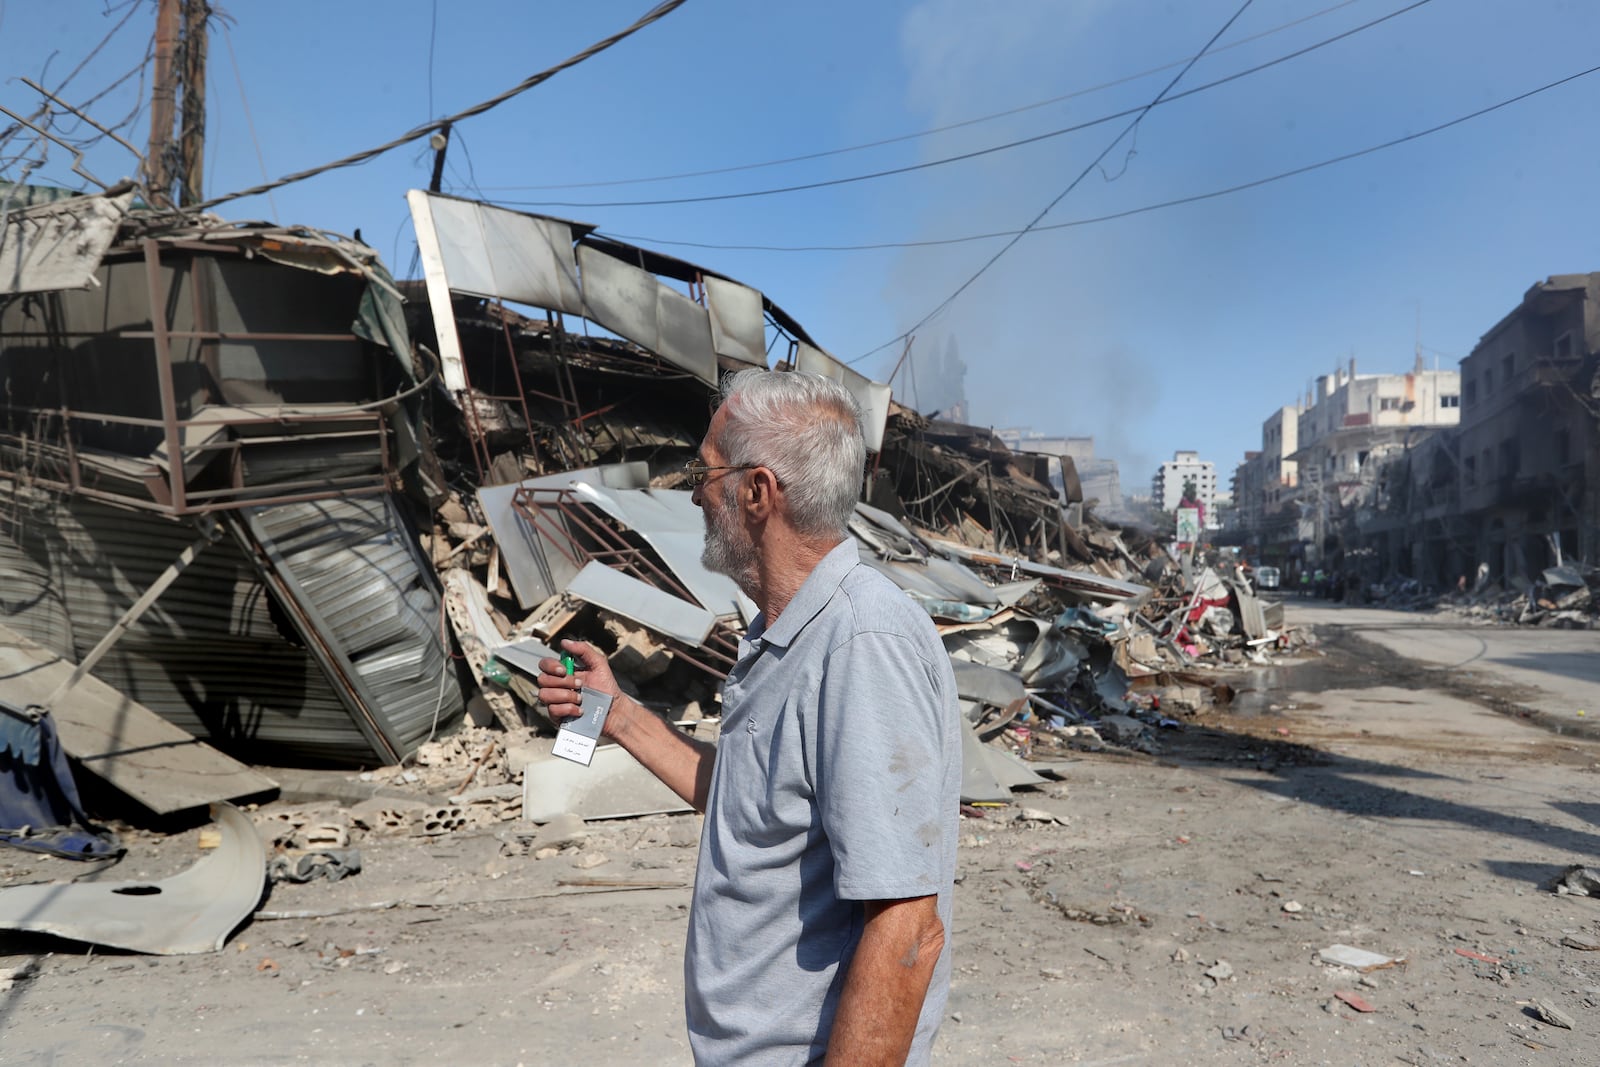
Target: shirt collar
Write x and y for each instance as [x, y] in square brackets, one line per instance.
[812, 597]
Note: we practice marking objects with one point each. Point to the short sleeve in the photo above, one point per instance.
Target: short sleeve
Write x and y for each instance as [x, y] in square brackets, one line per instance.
[881, 737]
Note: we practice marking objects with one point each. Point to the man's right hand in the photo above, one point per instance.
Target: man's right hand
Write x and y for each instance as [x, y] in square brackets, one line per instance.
[683, 763]
[558, 691]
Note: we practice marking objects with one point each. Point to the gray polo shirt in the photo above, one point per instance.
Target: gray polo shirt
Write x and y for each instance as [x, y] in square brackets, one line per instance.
[837, 780]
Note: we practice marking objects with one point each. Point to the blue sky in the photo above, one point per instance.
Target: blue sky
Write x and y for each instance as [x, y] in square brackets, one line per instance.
[1174, 329]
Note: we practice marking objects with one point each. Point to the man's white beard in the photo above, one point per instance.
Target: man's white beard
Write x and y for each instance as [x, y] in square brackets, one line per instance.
[729, 550]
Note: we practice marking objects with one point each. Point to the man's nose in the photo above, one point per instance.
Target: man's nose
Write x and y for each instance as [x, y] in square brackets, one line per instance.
[694, 495]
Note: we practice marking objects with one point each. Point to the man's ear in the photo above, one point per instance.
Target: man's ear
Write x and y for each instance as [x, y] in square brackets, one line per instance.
[760, 493]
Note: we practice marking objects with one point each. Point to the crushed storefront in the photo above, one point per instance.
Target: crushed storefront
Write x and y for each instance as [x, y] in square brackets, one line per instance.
[225, 416]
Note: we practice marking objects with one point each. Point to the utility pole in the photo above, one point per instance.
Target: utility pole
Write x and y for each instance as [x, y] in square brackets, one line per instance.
[180, 54]
[163, 104]
[192, 131]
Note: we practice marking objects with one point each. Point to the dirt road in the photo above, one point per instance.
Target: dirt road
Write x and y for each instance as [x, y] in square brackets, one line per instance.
[1175, 916]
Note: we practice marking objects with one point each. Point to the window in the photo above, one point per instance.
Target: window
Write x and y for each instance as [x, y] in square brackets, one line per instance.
[1469, 471]
[1508, 367]
[1486, 463]
[1450, 401]
[1472, 392]
[1488, 381]
[1389, 403]
[1562, 349]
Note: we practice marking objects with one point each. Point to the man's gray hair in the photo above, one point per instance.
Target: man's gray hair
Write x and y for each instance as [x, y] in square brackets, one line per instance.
[807, 430]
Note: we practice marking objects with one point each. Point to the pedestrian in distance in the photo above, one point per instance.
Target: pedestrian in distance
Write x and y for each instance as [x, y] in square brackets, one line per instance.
[819, 926]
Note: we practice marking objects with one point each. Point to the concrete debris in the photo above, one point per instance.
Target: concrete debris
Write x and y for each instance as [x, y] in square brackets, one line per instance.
[1578, 880]
[331, 864]
[1548, 1012]
[1357, 959]
[1562, 598]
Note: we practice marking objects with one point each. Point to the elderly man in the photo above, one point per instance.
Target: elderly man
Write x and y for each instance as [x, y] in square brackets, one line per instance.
[822, 896]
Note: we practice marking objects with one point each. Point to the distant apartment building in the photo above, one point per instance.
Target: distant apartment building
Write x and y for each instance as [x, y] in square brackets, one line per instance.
[1166, 488]
[1350, 428]
[1350, 417]
[1276, 512]
[1100, 478]
[1280, 440]
[1248, 494]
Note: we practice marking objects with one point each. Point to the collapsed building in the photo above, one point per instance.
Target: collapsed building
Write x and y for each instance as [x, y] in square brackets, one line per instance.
[309, 515]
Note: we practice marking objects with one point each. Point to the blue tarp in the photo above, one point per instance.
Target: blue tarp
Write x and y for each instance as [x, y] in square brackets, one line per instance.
[39, 805]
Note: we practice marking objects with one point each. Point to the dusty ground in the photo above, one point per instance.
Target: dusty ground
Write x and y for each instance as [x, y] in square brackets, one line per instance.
[1336, 803]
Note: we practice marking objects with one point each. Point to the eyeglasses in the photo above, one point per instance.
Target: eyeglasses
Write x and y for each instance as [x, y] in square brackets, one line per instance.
[696, 471]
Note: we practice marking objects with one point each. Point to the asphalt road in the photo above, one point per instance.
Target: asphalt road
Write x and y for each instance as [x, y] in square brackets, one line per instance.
[1551, 675]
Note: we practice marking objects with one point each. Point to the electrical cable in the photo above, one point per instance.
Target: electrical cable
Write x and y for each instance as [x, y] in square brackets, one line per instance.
[250, 122]
[15, 127]
[433, 33]
[963, 156]
[899, 138]
[1095, 162]
[1242, 186]
[660, 11]
[78, 112]
[470, 179]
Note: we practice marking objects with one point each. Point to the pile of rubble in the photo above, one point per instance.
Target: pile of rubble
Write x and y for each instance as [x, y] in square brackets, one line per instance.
[1047, 659]
[357, 562]
[1565, 597]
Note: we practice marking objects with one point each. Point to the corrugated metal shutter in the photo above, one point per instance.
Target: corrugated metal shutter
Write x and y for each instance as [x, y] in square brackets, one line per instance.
[215, 655]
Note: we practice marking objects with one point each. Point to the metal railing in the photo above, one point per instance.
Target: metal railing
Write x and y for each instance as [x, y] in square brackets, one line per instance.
[572, 527]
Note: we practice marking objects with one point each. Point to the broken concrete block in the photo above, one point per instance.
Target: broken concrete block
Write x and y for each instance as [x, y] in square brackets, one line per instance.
[435, 821]
[489, 794]
[521, 753]
[639, 655]
[1182, 698]
[1120, 729]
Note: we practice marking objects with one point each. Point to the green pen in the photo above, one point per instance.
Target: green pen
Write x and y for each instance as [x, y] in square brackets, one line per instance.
[569, 664]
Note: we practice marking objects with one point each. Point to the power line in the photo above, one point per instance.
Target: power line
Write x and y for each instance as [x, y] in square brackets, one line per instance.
[6, 134]
[1144, 209]
[1062, 195]
[961, 157]
[660, 11]
[899, 138]
[250, 122]
[433, 32]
